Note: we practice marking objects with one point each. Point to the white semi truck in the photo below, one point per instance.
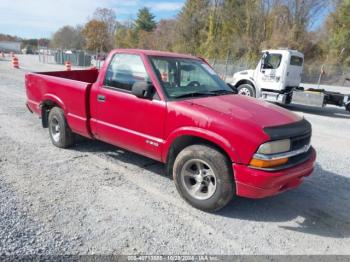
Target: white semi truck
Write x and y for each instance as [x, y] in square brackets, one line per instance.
[277, 78]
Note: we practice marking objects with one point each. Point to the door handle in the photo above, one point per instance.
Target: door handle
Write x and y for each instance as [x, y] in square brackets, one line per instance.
[101, 98]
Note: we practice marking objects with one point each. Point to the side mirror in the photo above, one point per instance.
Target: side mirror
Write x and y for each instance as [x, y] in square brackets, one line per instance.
[264, 61]
[142, 89]
[234, 89]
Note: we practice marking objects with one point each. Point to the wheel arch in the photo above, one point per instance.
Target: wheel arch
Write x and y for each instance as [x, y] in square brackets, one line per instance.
[46, 105]
[245, 81]
[182, 140]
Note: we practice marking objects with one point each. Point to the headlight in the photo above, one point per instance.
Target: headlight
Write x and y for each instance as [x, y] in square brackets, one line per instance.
[274, 147]
[262, 157]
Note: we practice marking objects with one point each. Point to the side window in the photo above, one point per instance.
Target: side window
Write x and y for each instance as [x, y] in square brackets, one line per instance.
[272, 61]
[165, 72]
[124, 70]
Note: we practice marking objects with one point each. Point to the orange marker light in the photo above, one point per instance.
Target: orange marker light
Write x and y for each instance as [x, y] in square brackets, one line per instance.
[268, 163]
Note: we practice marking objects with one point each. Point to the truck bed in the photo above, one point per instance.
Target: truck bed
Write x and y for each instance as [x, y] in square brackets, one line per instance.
[68, 89]
[87, 76]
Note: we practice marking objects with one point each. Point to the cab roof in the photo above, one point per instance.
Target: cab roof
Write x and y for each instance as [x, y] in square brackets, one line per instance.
[284, 51]
[154, 53]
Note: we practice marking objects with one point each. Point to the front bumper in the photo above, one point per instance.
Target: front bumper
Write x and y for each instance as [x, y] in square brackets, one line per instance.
[274, 97]
[253, 183]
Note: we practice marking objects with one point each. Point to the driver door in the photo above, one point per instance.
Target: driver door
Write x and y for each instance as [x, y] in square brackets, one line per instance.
[124, 120]
[269, 74]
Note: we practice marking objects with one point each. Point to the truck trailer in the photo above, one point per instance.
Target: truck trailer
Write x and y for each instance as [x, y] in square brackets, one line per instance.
[277, 79]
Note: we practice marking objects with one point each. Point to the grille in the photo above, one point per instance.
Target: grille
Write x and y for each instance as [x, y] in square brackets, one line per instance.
[300, 141]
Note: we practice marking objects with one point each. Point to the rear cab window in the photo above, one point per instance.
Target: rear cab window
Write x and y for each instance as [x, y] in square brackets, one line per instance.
[296, 60]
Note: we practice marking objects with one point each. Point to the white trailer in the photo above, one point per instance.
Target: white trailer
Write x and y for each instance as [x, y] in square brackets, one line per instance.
[10, 46]
[277, 78]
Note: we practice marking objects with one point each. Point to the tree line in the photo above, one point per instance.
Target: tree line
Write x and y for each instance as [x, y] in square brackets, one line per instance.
[223, 29]
[32, 43]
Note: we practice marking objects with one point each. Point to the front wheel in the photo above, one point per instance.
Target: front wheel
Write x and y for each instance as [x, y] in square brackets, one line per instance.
[203, 177]
[246, 90]
[60, 133]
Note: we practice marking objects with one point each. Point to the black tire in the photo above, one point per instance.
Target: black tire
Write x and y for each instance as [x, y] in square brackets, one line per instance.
[221, 167]
[348, 107]
[246, 90]
[60, 133]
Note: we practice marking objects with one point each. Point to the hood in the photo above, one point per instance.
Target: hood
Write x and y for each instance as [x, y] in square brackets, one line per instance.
[252, 110]
[246, 73]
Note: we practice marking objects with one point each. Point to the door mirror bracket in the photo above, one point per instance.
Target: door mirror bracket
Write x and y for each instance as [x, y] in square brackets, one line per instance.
[142, 89]
[264, 61]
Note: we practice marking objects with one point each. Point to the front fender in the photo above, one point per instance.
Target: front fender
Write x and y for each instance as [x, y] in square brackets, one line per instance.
[246, 75]
[210, 136]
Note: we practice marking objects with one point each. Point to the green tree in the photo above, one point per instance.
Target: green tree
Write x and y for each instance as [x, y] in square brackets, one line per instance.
[211, 47]
[145, 20]
[192, 26]
[339, 30]
[125, 36]
[242, 28]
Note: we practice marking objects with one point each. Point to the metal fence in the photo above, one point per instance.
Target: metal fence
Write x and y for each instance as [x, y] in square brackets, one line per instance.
[77, 58]
[333, 75]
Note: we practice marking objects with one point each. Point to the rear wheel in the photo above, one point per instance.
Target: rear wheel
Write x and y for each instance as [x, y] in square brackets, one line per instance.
[246, 90]
[348, 107]
[60, 133]
[203, 177]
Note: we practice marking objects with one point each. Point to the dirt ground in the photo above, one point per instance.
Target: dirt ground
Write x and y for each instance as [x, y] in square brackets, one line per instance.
[98, 199]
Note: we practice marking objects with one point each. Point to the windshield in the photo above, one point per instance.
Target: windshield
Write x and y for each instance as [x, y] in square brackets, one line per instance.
[187, 78]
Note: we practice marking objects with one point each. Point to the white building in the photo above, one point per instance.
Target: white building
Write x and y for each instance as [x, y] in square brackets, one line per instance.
[8, 46]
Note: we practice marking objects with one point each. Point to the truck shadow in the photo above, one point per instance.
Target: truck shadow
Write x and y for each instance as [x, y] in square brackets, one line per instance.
[116, 154]
[321, 206]
[326, 111]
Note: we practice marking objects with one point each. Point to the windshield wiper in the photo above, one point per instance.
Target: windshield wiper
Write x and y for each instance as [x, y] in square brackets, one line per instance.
[207, 93]
[194, 94]
[222, 92]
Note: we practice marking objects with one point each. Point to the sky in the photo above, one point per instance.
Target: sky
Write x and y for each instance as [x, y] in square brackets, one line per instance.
[41, 18]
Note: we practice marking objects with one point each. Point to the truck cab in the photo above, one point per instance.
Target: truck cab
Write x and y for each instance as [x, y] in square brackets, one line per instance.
[277, 73]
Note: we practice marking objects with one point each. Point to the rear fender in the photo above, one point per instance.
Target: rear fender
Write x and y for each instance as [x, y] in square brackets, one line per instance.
[53, 99]
[49, 101]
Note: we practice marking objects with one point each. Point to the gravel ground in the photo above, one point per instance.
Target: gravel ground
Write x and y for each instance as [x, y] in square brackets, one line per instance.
[99, 199]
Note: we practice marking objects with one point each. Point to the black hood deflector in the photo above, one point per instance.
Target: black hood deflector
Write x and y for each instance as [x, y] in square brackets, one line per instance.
[299, 128]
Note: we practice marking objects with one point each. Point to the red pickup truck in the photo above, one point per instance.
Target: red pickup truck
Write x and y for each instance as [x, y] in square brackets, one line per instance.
[175, 109]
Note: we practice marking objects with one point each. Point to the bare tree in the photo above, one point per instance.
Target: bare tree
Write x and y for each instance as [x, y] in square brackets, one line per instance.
[68, 37]
[108, 17]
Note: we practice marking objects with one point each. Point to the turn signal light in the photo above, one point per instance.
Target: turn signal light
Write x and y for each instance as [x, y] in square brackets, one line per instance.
[268, 163]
